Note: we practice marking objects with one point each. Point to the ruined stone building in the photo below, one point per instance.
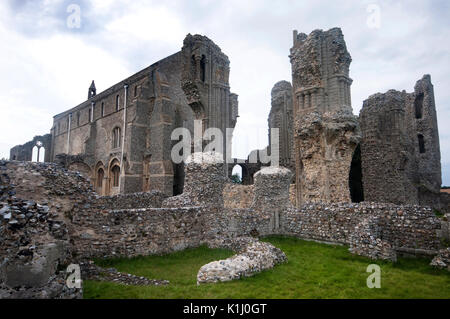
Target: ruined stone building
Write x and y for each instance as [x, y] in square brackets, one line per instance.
[121, 138]
[400, 151]
[389, 154]
[326, 132]
[281, 117]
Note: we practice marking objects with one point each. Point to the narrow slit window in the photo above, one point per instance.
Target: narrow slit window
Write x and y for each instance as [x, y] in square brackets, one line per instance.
[421, 143]
[418, 105]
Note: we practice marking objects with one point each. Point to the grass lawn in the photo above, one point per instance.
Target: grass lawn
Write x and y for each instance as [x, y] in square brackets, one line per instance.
[313, 270]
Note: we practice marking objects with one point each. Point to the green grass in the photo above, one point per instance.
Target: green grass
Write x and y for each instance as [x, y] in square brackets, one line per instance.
[313, 270]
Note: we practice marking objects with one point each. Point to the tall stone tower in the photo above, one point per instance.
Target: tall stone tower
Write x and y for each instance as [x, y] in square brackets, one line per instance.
[205, 82]
[400, 151]
[326, 132]
[425, 131]
[281, 117]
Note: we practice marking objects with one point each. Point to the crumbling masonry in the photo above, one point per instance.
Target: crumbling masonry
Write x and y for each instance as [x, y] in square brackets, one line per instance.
[326, 132]
[51, 217]
[400, 152]
[121, 138]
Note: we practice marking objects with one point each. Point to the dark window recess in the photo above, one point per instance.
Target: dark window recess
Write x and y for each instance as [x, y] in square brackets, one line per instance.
[418, 106]
[421, 143]
[355, 177]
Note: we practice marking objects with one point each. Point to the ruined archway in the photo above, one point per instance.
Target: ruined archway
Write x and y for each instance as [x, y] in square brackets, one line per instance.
[355, 177]
[238, 171]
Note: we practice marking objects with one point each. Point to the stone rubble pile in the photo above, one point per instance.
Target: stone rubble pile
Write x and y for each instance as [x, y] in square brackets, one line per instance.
[254, 258]
[34, 246]
[442, 259]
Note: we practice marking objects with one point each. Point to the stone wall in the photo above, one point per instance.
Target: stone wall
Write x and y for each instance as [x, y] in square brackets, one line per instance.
[75, 224]
[129, 201]
[34, 238]
[237, 195]
[134, 232]
[400, 152]
[25, 152]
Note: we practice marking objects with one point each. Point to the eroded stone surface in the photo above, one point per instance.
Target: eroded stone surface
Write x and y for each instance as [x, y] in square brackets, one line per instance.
[326, 132]
[254, 258]
[400, 152]
[442, 259]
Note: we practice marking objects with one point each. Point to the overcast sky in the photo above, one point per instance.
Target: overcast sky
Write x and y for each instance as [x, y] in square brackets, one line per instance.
[46, 67]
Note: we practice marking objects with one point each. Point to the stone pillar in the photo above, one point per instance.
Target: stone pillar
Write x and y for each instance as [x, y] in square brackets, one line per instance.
[271, 189]
[204, 182]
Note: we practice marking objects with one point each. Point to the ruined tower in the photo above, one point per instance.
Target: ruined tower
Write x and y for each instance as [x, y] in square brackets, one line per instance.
[205, 82]
[281, 117]
[400, 151]
[326, 132]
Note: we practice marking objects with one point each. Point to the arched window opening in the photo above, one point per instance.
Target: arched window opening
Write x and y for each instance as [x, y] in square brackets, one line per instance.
[34, 156]
[103, 109]
[135, 90]
[116, 137]
[115, 175]
[418, 105]
[203, 68]
[100, 176]
[117, 102]
[41, 154]
[38, 152]
[421, 143]
[236, 174]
